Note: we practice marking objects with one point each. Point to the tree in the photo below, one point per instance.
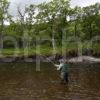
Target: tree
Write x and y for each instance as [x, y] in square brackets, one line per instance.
[4, 4]
[75, 19]
[90, 16]
[54, 14]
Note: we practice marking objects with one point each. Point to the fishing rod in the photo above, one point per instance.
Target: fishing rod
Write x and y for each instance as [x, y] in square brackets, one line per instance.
[52, 62]
[48, 59]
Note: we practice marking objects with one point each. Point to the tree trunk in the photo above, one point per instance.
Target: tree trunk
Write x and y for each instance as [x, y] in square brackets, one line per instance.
[53, 43]
[1, 32]
[75, 29]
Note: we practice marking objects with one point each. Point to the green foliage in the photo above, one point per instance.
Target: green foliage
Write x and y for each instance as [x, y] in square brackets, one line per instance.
[51, 20]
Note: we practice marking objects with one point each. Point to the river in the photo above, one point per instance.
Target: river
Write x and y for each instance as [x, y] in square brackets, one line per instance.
[21, 81]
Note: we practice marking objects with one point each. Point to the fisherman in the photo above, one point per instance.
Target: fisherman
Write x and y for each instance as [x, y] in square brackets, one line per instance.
[63, 68]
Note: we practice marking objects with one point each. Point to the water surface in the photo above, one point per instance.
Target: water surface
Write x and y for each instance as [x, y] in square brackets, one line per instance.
[20, 81]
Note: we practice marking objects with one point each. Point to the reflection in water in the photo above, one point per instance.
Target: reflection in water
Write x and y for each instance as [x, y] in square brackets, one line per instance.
[20, 81]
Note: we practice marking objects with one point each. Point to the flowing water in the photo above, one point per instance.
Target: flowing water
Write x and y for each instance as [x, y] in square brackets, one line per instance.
[21, 81]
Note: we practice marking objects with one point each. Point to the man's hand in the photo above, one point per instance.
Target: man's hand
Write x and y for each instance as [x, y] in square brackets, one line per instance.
[58, 66]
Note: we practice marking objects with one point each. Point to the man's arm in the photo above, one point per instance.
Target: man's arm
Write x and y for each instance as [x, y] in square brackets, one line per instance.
[58, 66]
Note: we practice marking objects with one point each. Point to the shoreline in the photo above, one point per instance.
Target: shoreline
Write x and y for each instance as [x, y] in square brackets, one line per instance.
[42, 58]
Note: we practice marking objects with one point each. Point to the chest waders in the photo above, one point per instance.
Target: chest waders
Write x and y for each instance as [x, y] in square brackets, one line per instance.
[64, 73]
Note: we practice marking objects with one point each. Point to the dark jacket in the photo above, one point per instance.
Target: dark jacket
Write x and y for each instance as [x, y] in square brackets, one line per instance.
[65, 68]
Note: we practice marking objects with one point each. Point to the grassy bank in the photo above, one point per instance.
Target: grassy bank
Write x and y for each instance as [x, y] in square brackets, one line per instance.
[47, 50]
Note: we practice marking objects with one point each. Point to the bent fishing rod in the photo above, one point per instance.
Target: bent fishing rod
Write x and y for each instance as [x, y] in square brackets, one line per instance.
[48, 59]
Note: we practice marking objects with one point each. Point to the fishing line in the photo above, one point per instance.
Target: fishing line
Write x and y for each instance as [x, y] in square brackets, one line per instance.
[48, 59]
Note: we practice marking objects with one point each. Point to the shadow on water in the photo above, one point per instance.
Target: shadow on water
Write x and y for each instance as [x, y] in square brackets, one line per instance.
[20, 81]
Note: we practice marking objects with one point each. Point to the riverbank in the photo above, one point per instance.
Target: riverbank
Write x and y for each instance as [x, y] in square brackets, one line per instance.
[44, 52]
[70, 49]
[40, 58]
